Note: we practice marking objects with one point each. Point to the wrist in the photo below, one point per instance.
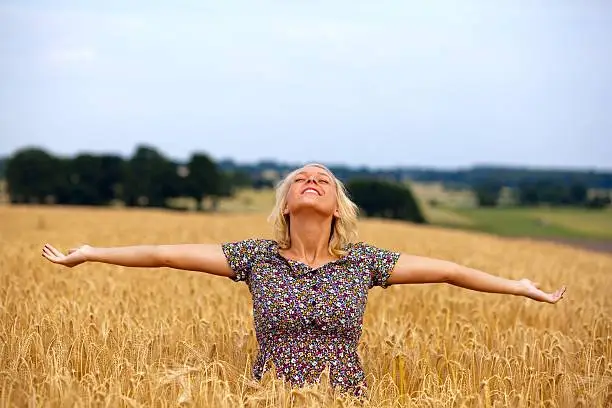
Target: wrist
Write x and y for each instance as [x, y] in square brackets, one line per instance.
[89, 253]
[519, 288]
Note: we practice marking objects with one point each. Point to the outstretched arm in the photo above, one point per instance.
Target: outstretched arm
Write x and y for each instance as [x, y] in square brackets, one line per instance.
[419, 269]
[194, 257]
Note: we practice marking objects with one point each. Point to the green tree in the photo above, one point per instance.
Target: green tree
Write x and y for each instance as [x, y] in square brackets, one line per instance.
[238, 179]
[528, 193]
[150, 178]
[33, 176]
[113, 176]
[379, 198]
[83, 175]
[578, 193]
[553, 192]
[204, 179]
[598, 201]
[487, 192]
[2, 167]
[91, 179]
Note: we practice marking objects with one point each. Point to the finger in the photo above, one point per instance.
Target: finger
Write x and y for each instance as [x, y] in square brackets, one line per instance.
[48, 253]
[49, 256]
[56, 252]
[562, 292]
[49, 248]
[558, 295]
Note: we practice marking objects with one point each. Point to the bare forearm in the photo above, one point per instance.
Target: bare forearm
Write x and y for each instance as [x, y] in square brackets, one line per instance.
[146, 256]
[419, 269]
[475, 279]
[208, 258]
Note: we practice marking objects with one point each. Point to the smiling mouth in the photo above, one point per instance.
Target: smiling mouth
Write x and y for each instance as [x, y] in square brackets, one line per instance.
[310, 191]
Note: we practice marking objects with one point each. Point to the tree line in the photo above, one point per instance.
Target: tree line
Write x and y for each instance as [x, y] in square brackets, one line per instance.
[146, 179]
[542, 191]
[467, 178]
[527, 186]
[150, 179]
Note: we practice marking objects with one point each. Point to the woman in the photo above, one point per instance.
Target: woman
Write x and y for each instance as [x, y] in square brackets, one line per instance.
[309, 285]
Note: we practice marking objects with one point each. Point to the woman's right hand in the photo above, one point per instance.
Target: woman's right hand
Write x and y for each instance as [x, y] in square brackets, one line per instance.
[74, 257]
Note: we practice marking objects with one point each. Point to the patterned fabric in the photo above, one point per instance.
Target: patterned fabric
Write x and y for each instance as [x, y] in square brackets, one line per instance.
[306, 319]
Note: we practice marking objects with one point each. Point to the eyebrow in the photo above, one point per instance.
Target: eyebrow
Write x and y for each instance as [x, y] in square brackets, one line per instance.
[320, 173]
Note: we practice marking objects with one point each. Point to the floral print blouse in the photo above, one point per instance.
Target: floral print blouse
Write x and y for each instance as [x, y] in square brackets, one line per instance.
[307, 319]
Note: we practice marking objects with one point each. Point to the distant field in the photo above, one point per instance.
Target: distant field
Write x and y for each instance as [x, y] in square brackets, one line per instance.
[437, 203]
[537, 222]
[244, 201]
[597, 224]
[428, 193]
[458, 209]
[249, 200]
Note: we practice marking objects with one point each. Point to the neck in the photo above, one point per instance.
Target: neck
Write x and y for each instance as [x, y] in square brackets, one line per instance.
[310, 237]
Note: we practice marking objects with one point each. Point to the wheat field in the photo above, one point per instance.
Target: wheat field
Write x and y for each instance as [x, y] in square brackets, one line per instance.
[102, 335]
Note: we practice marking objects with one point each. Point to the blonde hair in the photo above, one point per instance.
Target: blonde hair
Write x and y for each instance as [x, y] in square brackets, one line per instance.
[344, 227]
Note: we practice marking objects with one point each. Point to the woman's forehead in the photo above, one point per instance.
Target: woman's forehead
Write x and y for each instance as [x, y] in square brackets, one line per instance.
[315, 169]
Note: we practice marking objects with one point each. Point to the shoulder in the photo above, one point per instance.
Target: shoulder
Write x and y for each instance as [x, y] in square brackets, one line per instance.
[379, 261]
[367, 252]
[361, 248]
[250, 246]
[241, 255]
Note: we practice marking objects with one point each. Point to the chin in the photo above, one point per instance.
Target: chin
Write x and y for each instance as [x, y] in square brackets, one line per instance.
[311, 207]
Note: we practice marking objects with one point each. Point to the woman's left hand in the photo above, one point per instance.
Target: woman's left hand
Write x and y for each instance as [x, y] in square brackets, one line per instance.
[532, 291]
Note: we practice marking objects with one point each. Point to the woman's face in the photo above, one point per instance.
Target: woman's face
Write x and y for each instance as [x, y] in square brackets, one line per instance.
[312, 189]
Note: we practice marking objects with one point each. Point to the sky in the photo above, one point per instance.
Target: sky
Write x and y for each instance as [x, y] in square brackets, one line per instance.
[378, 83]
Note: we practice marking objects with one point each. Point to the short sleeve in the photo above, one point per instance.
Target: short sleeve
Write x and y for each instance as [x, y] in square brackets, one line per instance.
[241, 256]
[380, 261]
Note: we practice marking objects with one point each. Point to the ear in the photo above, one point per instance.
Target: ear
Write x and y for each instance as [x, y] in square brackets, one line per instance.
[336, 213]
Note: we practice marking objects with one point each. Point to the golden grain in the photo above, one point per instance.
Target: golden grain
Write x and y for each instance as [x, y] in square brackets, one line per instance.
[101, 335]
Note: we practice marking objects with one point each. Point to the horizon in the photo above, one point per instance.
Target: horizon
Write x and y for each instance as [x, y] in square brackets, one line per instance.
[279, 162]
[434, 85]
